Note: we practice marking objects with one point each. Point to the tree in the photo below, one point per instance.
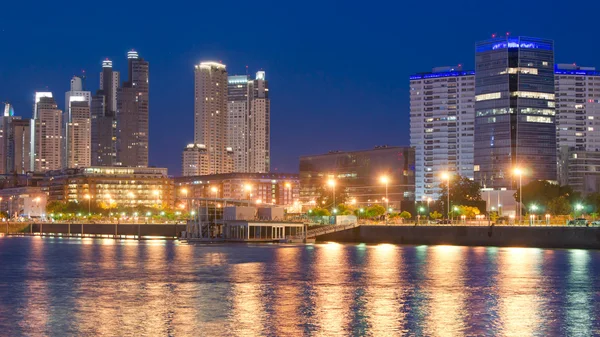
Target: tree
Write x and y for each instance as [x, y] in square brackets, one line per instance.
[325, 193]
[405, 215]
[343, 209]
[493, 216]
[468, 211]
[558, 206]
[462, 191]
[375, 211]
[435, 215]
[319, 212]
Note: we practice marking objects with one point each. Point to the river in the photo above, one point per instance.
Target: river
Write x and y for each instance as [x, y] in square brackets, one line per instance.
[74, 287]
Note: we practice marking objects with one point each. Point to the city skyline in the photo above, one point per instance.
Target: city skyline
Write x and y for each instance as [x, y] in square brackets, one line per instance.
[335, 75]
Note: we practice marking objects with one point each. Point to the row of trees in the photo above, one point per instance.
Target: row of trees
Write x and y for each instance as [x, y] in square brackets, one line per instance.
[68, 210]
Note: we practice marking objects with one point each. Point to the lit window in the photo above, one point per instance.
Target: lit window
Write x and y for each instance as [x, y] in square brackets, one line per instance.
[532, 94]
[485, 97]
[539, 119]
[590, 129]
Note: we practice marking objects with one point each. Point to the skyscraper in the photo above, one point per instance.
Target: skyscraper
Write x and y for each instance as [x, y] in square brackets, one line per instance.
[104, 123]
[47, 135]
[77, 130]
[19, 154]
[441, 126]
[514, 111]
[259, 126]
[210, 114]
[132, 114]
[238, 111]
[5, 145]
[248, 123]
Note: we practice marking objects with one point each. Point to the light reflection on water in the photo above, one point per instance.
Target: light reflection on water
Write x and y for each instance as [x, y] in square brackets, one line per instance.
[106, 288]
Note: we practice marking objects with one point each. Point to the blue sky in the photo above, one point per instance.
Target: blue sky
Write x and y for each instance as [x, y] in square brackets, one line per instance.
[338, 71]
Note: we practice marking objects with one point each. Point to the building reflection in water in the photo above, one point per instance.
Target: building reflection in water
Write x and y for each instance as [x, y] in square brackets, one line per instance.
[248, 309]
[36, 310]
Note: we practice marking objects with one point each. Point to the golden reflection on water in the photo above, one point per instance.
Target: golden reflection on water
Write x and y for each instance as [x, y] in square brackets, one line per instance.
[36, 309]
[248, 311]
[579, 299]
[384, 289]
[446, 291]
[287, 293]
[332, 298]
[520, 291]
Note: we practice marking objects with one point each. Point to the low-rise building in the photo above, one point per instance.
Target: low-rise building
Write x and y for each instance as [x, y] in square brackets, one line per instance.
[115, 186]
[579, 169]
[24, 201]
[358, 174]
[267, 188]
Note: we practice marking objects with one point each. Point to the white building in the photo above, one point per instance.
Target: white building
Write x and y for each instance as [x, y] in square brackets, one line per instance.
[259, 126]
[577, 107]
[77, 121]
[195, 160]
[210, 114]
[47, 135]
[248, 123]
[441, 126]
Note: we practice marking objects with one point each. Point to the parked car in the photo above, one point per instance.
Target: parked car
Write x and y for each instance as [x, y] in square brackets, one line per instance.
[578, 222]
[443, 222]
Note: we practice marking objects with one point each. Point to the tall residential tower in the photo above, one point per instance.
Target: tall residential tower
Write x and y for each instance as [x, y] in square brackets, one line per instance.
[77, 126]
[132, 114]
[441, 126]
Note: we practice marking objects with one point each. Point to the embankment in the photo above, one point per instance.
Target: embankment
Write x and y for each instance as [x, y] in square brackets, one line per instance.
[542, 237]
[167, 230]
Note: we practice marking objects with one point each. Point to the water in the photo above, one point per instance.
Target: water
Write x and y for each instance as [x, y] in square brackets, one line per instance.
[62, 287]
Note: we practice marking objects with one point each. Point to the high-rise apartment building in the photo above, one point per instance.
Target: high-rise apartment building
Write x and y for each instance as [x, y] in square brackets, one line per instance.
[109, 84]
[19, 149]
[47, 145]
[104, 123]
[514, 111]
[442, 120]
[248, 123]
[77, 129]
[195, 160]
[132, 114]
[5, 145]
[210, 114]
[238, 111]
[259, 126]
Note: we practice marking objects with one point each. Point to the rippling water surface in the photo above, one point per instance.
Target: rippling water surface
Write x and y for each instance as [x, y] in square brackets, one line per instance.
[78, 287]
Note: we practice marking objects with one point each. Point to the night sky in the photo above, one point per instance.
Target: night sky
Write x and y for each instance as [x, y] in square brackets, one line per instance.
[338, 71]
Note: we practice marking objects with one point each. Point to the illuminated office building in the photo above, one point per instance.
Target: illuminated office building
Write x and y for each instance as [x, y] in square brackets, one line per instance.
[514, 111]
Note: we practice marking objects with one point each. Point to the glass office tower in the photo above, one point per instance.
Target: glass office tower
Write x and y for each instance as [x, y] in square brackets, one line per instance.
[514, 111]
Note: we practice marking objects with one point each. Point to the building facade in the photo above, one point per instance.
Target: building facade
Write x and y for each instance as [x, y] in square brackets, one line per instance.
[357, 174]
[514, 111]
[77, 128]
[133, 113]
[6, 145]
[104, 122]
[19, 146]
[195, 160]
[255, 188]
[23, 201]
[210, 114]
[238, 111]
[48, 137]
[442, 118]
[111, 186]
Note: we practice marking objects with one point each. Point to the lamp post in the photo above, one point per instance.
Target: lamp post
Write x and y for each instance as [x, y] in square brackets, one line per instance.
[385, 180]
[157, 196]
[248, 189]
[288, 188]
[446, 177]
[331, 182]
[215, 190]
[519, 172]
[185, 193]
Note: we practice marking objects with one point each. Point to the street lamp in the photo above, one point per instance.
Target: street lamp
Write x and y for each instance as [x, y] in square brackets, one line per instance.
[89, 199]
[519, 172]
[385, 180]
[248, 189]
[331, 182]
[446, 176]
[288, 187]
[157, 195]
[215, 190]
[579, 207]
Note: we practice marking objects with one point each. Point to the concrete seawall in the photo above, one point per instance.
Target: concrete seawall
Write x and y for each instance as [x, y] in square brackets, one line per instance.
[168, 230]
[542, 237]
